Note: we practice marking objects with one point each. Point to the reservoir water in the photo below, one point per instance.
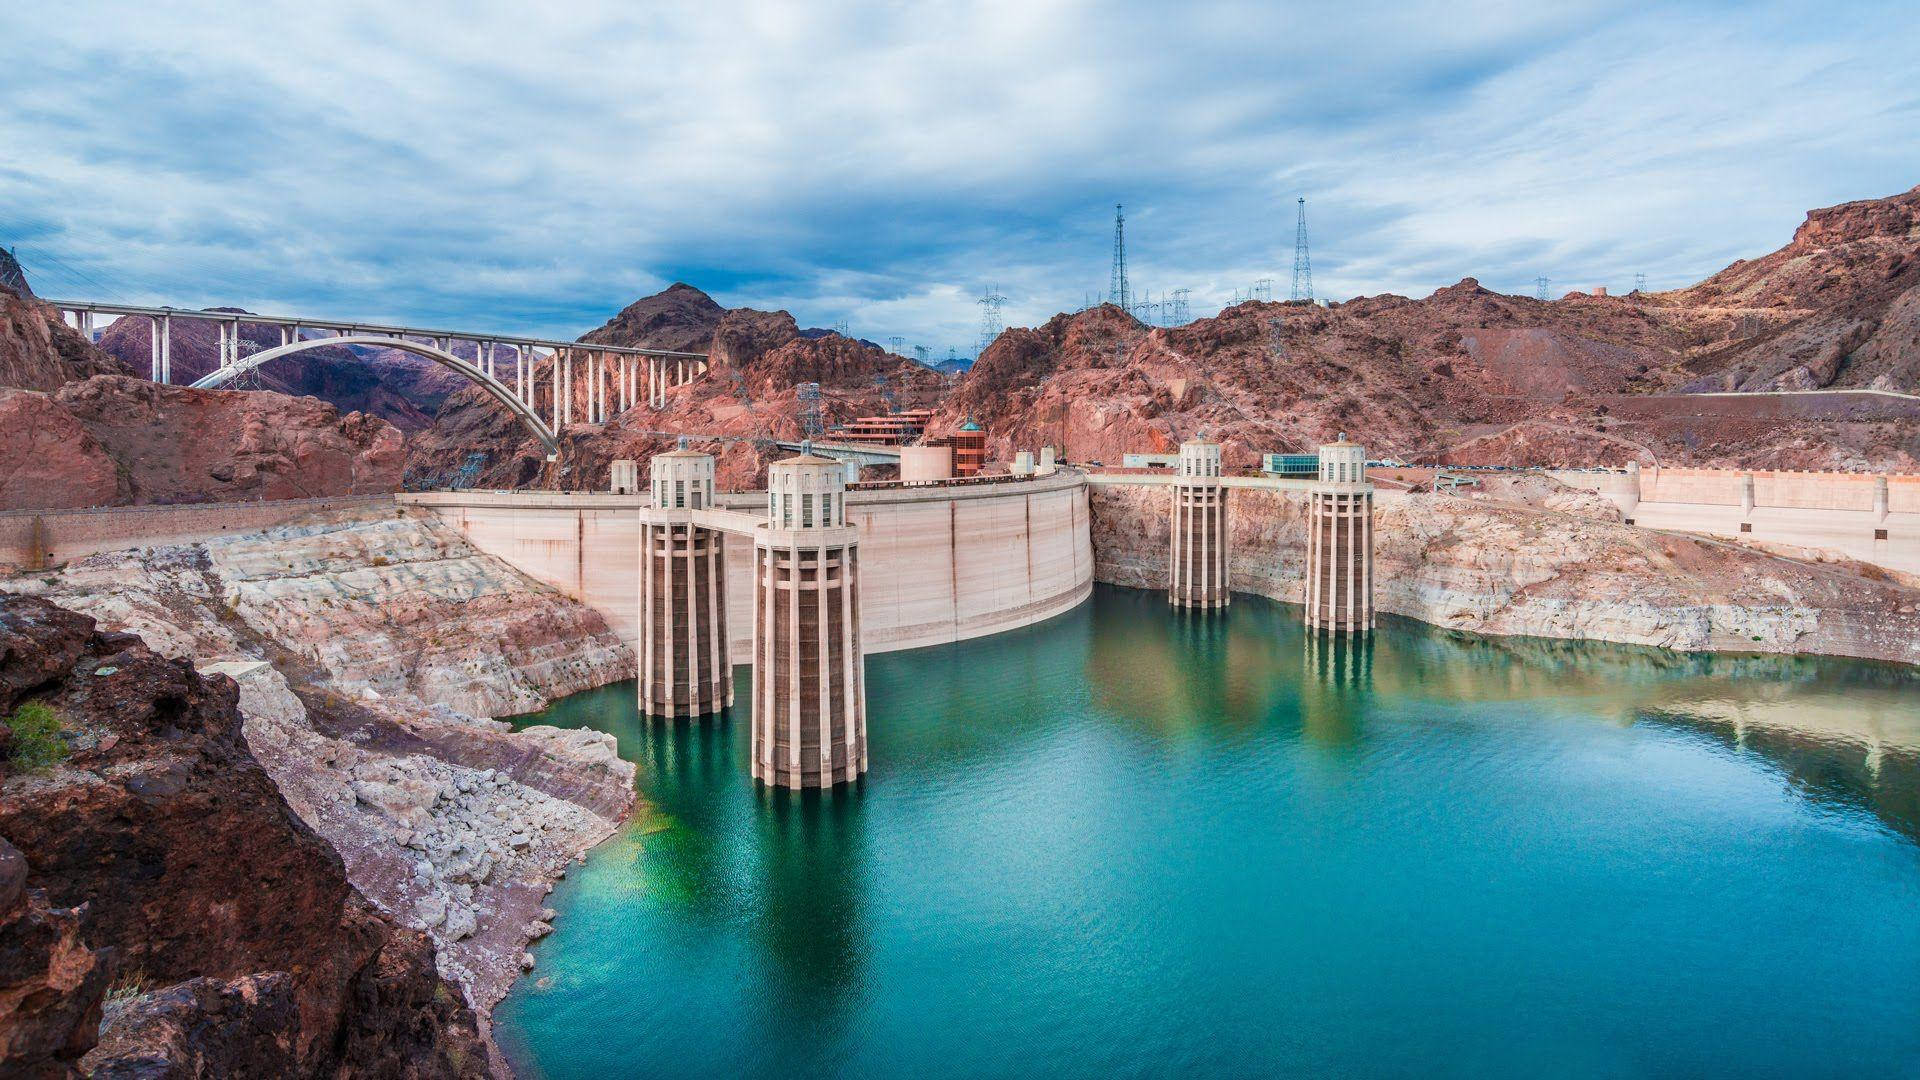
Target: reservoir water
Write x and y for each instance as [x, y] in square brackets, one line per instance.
[1131, 842]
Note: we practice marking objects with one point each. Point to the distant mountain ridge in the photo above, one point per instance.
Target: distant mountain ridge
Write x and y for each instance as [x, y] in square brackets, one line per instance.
[1499, 378]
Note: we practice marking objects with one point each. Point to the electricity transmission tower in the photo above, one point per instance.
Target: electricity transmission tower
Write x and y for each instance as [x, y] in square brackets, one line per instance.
[1540, 288]
[807, 397]
[1117, 291]
[991, 319]
[840, 327]
[897, 345]
[921, 352]
[1302, 266]
[1178, 316]
[1639, 283]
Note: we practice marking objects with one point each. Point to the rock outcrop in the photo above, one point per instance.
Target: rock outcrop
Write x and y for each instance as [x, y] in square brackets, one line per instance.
[1508, 568]
[118, 440]
[161, 859]
[1837, 307]
[40, 352]
[369, 649]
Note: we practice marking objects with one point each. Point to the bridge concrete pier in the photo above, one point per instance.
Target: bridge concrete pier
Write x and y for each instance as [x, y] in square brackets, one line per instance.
[1340, 542]
[809, 688]
[684, 668]
[1197, 567]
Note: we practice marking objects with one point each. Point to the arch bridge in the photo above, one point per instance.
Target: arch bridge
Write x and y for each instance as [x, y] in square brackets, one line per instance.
[610, 378]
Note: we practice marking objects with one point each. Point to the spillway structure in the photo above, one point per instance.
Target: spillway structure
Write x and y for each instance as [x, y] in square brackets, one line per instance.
[684, 668]
[809, 681]
[1198, 558]
[1340, 542]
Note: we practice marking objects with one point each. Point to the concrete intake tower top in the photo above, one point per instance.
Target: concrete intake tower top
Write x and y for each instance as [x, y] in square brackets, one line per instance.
[1199, 459]
[1343, 462]
[683, 479]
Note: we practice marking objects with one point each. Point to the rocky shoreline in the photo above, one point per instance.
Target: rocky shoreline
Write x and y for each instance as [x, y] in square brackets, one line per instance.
[338, 632]
[1576, 571]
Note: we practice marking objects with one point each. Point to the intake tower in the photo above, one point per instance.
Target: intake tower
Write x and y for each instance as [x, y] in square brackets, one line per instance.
[809, 681]
[1197, 564]
[684, 670]
[1340, 542]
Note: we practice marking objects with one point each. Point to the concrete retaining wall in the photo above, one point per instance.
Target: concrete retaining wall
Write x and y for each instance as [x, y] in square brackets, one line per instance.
[1830, 510]
[937, 564]
[32, 539]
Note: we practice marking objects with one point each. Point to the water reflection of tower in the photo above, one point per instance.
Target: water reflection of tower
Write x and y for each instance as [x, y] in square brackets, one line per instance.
[1337, 681]
[810, 930]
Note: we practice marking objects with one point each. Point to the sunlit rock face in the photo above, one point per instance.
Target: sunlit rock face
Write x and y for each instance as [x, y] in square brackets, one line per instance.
[370, 649]
[160, 854]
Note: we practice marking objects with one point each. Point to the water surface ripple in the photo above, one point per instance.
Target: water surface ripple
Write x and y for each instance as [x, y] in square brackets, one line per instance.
[1130, 842]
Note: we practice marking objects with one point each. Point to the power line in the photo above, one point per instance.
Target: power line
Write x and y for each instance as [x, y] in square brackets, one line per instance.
[1302, 266]
[992, 321]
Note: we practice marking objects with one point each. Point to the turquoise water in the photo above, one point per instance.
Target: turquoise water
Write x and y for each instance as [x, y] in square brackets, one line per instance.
[1131, 843]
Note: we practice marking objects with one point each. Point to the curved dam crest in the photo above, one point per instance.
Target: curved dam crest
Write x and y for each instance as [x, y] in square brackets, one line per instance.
[939, 565]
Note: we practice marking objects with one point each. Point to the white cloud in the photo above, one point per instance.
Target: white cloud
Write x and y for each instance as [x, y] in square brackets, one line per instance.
[501, 166]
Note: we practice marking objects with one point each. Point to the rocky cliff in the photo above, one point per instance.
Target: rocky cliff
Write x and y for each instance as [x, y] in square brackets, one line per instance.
[1513, 569]
[115, 440]
[369, 649]
[159, 860]
[38, 351]
[1837, 307]
[1471, 374]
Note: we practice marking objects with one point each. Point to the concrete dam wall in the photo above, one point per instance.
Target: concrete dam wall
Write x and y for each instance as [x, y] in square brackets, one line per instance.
[938, 564]
[1873, 518]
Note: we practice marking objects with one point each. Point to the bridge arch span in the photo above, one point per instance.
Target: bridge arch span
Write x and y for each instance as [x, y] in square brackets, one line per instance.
[494, 388]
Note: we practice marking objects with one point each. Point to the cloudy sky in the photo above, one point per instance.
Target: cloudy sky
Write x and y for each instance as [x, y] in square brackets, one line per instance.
[532, 168]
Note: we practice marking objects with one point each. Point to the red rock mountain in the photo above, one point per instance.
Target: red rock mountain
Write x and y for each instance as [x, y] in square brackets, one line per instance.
[40, 352]
[1837, 307]
[77, 429]
[759, 358]
[1473, 376]
[680, 318]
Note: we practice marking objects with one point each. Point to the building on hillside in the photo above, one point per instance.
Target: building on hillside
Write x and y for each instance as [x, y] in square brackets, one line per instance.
[1290, 465]
[969, 445]
[893, 429]
[969, 449]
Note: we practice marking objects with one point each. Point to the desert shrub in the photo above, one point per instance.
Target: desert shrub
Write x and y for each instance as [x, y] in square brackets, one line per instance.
[36, 736]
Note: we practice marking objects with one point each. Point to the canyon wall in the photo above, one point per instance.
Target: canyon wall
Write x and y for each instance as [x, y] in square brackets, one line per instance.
[1509, 569]
[369, 646]
[158, 860]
